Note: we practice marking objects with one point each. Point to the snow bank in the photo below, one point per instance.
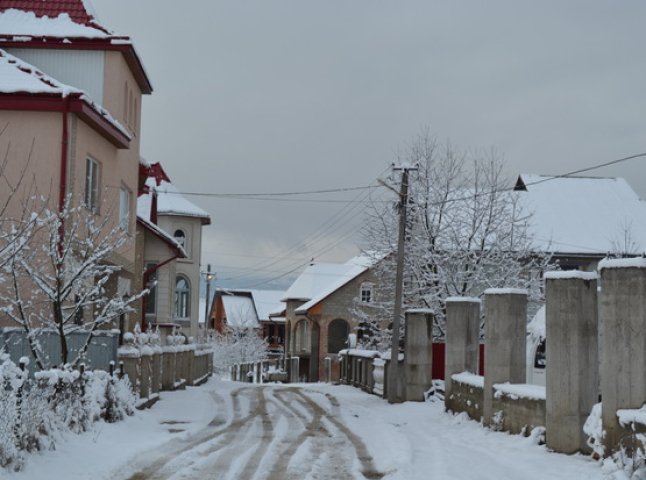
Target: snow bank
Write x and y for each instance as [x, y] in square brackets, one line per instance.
[628, 416]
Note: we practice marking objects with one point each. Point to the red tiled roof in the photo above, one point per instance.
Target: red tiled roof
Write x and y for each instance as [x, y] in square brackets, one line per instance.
[51, 8]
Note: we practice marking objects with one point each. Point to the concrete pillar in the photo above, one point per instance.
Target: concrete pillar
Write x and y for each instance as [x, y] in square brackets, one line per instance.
[293, 369]
[189, 366]
[418, 357]
[146, 373]
[622, 322]
[327, 362]
[505, 338]
[462, 339]
[572, 353]
[168, 368]
[156, 370]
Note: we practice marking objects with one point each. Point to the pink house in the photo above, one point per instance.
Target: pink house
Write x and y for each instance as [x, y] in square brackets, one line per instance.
[70, 110]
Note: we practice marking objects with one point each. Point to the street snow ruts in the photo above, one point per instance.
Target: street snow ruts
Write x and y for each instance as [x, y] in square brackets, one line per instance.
[301, 431]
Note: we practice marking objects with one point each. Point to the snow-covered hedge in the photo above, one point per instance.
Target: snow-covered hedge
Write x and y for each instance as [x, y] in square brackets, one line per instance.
[34, 412]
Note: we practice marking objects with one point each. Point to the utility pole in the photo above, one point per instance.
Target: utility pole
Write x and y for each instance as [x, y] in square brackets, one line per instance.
[209, 277]
[399, 284]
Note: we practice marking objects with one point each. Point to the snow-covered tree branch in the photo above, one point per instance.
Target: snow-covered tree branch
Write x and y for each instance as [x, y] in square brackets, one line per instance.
[60, 274]
[466, 232]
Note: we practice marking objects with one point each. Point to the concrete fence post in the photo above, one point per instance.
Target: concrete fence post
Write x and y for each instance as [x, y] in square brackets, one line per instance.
[505, 339]
[130, 358]
[572, 351]
[418, 355]
[622, 322]
[293, 378]
[146, 372]
[328, 369]
[462, 339]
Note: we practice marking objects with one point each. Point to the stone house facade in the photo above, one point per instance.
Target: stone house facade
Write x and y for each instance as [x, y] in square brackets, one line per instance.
[318, 323]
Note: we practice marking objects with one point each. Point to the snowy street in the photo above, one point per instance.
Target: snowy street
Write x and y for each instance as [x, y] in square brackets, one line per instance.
[230, 430]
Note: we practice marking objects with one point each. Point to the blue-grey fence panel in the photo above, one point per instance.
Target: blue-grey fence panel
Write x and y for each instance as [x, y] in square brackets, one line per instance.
[101, 351]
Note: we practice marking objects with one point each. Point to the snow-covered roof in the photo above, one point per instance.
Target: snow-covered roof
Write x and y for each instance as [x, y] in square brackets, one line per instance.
[266, 302]
[583, 215]
[320, 280]
[240, 311]
[58, 24]
[163, 235]
[64, 24]
[169, 202]
[18, 76]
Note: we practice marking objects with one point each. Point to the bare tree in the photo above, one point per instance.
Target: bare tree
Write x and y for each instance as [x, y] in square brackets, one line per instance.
[466, 232]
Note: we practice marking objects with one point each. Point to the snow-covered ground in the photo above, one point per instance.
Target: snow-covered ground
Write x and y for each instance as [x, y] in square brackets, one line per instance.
[357, 432]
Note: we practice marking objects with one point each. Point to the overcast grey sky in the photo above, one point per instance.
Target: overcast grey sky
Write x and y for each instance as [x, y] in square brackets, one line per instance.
[257, 96]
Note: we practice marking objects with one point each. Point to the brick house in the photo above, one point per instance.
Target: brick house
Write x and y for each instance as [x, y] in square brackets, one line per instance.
[319, 312]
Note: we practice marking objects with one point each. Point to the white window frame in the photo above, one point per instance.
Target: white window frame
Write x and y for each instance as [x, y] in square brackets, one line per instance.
[92, 182]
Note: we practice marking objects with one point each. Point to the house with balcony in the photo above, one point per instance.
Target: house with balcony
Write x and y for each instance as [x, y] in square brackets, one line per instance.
[70, 117]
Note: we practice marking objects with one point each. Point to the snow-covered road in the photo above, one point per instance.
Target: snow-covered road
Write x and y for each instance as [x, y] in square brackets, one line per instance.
[228, 430]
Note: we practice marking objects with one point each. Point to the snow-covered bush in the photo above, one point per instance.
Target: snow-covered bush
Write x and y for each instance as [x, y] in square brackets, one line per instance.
[35, 412]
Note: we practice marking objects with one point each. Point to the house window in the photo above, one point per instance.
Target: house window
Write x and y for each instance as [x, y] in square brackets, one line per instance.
[337, 335]
[124, 208]
[182, 297]
[302, 340]
[366, 293]
[180, 238]
[151, 298]
[91, 197]
[540, 358]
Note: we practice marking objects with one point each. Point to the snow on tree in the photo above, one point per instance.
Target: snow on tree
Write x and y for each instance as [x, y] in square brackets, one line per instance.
[466, 232]
[61, 274]
[238, 345]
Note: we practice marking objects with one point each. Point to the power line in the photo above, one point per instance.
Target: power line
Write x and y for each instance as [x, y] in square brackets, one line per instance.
[275, 194]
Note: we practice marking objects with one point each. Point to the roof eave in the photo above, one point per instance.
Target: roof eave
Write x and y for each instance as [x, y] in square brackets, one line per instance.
[48, 102]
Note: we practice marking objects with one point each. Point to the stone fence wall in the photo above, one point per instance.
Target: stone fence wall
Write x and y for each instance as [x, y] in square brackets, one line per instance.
[152, 368]
[265, 371]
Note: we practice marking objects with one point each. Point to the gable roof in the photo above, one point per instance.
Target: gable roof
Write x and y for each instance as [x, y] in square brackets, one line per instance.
[318, 281]
[64, 24]
[582, 215]
[265, 302]
[240, 311]
[20, 78]
[163, 236]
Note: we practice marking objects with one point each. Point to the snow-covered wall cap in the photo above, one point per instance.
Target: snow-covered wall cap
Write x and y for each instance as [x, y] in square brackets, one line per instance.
[463, 300]
[420, 311]
[571, 275]
[469, 378]
[636, 262]
[505, 291]
[519, 390]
